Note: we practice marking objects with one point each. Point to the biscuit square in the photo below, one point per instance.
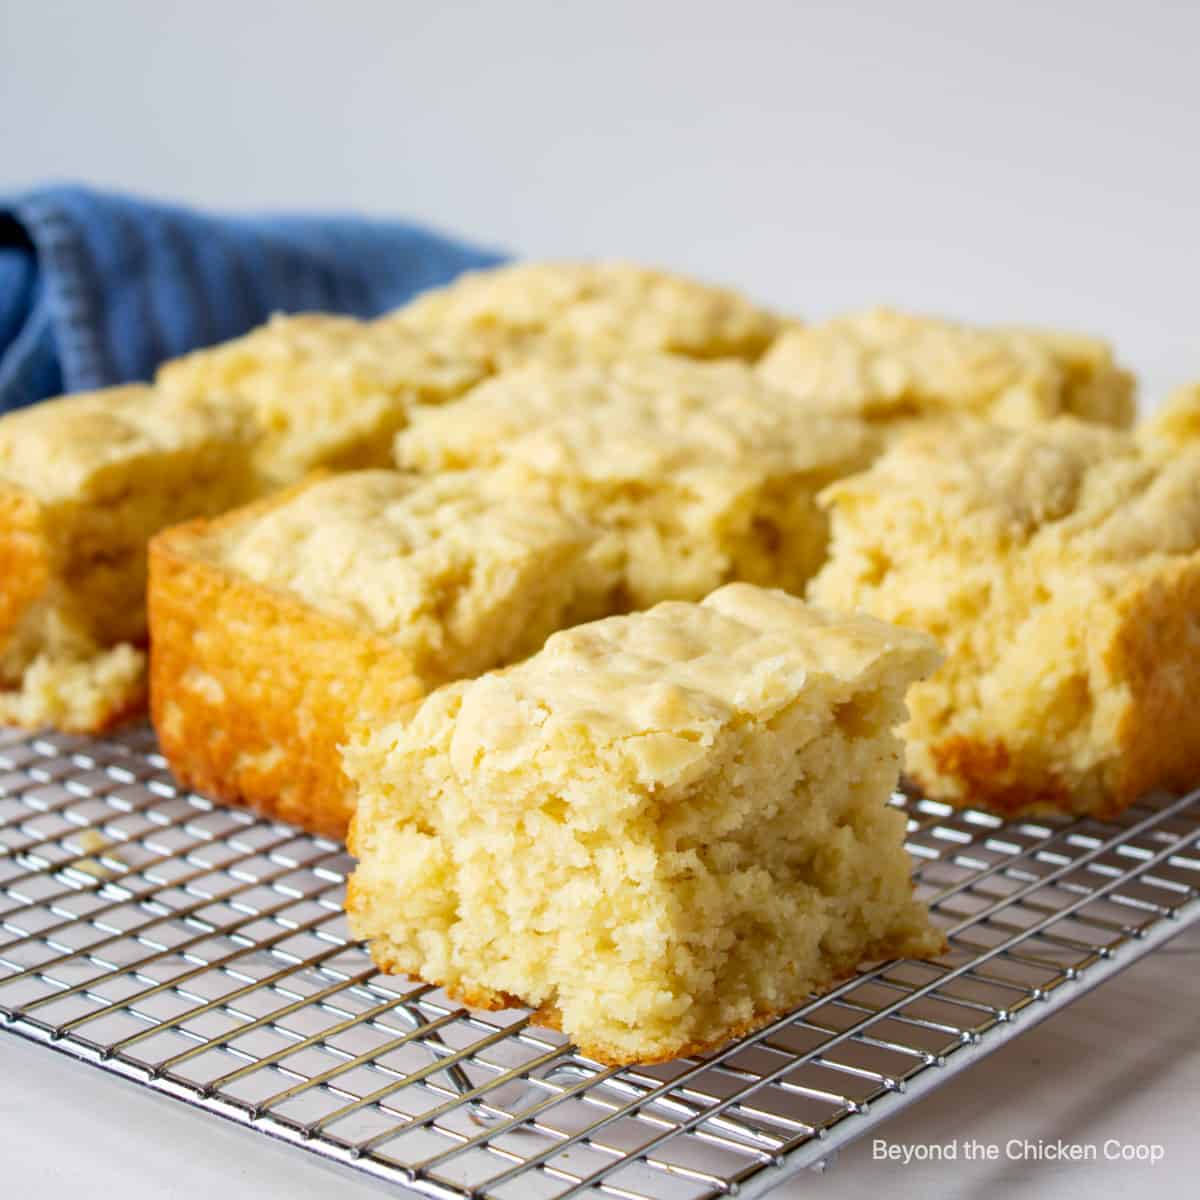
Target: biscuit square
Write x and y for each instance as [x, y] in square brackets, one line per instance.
[659, 832]
[1060, 569]
[84, 481]
[698, 474]
[276, 624]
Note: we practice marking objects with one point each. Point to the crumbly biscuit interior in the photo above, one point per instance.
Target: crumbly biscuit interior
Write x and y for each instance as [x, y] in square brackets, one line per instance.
[656, 858]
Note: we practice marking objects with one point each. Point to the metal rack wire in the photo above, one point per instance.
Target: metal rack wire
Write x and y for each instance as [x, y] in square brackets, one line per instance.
[203, 953]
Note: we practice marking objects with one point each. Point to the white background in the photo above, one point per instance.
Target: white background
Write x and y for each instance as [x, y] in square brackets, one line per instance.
[1034, 162]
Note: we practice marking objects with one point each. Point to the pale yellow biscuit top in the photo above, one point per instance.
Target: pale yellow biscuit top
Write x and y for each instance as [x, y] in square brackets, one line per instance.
[547, 307]
[79, 447]
[1067, 489]
[324, 389]
[653, 419]
[361, 354]
[887, 365]
[1176, 424]
[399, 556]
[661, 683]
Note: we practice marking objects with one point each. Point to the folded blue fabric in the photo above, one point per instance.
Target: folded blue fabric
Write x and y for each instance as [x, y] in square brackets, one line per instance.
[98, 288]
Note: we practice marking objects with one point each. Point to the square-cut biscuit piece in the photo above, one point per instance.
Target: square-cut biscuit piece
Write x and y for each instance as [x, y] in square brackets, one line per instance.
[699, 473]
[1060, 569]
[84, 481]
[658, 832]
[566, 309]
[276, 623]
[324, 390]
[893, 367]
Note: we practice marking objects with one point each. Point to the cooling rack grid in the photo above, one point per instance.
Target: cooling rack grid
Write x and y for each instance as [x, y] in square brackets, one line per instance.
[202, 953]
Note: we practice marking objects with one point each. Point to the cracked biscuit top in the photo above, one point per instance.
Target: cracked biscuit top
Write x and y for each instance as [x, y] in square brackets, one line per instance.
[80, 447]
[1065, 490]
[680, 671]
[887, 365]
[602, 308]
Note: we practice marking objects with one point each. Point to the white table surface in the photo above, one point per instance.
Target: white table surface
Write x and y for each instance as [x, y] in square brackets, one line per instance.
[1122, 1063]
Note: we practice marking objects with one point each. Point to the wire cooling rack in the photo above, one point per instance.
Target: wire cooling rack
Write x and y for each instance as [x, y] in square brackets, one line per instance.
[203, 953]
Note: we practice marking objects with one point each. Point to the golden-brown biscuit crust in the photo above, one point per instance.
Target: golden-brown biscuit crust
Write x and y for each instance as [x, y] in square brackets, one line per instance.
[251, 690]
[25, 564]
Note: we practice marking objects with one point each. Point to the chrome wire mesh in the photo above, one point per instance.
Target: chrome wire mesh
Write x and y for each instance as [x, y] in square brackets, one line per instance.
[202, 952]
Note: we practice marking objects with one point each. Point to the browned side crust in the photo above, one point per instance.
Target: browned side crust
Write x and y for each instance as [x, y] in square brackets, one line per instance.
[1156, 647]
[25, 557]
[251, 691]
[981, 769]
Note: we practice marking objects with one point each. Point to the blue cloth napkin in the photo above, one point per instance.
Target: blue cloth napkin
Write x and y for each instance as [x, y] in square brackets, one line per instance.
[98, 288]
